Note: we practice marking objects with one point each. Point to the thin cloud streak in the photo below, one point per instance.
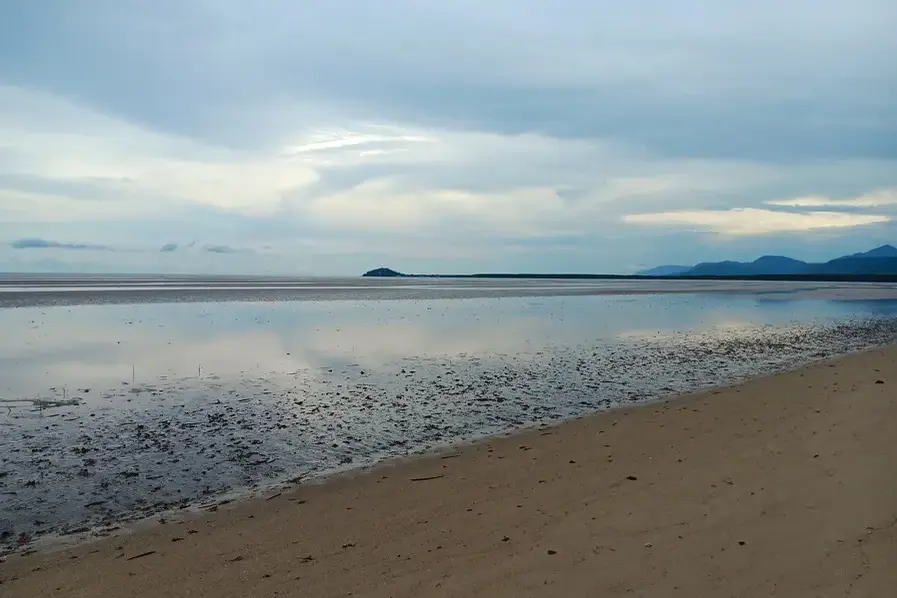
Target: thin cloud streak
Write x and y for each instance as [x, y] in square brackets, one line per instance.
[874, 199]
[34, 243]
[753, 222]
[225, 249]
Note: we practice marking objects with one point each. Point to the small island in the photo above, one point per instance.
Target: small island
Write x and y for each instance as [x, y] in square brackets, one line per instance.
[383, 272]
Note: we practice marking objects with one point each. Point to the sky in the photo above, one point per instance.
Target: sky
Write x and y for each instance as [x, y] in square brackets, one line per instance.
[327, 137]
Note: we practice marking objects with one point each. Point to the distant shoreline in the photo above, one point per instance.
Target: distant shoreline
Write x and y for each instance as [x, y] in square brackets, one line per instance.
[54, 278]
[51, 292]
[876, 265]
[571, 276]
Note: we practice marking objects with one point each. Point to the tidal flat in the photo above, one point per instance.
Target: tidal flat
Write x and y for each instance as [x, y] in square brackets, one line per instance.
[113, 412]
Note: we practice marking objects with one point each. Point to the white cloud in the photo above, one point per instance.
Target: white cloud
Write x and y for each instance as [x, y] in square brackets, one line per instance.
[18, 207]
[333, 188]
[92, 168]
[382, 205]
[873, 199]
[752, 222]
[131, 169]
[339, 139]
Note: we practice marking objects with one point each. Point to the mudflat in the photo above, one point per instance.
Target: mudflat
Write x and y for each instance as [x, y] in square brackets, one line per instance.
[782, 486]
[22, 291]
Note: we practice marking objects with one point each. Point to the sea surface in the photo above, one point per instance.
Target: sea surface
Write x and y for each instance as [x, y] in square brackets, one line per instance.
[126, 397]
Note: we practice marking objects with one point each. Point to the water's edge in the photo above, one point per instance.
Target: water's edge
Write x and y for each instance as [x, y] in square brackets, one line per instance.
[138, 521]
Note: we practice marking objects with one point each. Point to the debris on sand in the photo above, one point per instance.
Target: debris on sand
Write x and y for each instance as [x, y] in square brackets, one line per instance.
[141, 555]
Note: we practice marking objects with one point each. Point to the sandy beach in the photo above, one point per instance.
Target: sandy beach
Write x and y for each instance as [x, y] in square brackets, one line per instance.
[782, 486]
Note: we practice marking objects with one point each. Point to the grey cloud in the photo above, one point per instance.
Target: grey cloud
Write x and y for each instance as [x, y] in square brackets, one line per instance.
[33, 243]
[738, 82]
[85, 188]
[169, 247]
[746, 128]
[224, 249]
[219, 249]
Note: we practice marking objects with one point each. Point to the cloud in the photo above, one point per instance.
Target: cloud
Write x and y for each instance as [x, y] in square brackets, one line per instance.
[116, 169]
[873, 199]
[505, 133]
[653, 74]
[384, 206]
[749, 221]
[111, 171]
[226, 249]
[169, 247]
[47, 244]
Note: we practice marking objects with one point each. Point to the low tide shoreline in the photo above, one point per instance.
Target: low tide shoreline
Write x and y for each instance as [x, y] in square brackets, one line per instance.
[37, 292]
[779, 486]
[142, 450]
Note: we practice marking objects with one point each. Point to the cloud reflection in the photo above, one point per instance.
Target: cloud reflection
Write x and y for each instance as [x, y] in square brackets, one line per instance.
[105, 346]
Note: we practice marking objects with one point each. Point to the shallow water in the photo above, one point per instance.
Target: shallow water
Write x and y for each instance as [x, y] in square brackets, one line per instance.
[115, 411]
[55, 291]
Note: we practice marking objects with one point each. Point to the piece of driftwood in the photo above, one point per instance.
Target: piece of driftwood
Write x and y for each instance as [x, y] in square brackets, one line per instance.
[140, 556]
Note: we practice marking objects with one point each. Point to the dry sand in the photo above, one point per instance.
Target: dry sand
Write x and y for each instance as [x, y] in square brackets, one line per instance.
[784, 486]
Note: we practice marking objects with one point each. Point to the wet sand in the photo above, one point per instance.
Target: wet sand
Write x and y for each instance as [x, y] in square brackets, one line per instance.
[68, 291]
[782, 486]
[297, 391]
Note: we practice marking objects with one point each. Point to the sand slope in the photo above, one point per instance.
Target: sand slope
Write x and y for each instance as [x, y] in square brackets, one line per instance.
[784, 486]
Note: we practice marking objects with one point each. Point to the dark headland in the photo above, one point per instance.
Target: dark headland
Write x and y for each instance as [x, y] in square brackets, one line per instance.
[383, 273]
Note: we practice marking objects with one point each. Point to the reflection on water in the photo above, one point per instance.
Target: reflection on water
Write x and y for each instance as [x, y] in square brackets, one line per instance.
[106, 345]
[113, 410]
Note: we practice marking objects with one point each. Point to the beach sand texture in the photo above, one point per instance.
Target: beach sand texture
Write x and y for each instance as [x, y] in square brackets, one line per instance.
[783, 486]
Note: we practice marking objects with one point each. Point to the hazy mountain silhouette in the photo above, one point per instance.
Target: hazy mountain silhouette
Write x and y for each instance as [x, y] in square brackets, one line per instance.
[885, 251]
[665, 271]
[881, 260]
[768, 264]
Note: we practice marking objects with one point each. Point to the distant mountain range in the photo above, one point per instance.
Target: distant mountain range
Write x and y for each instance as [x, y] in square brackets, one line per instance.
[665, 271]
[879, 261]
